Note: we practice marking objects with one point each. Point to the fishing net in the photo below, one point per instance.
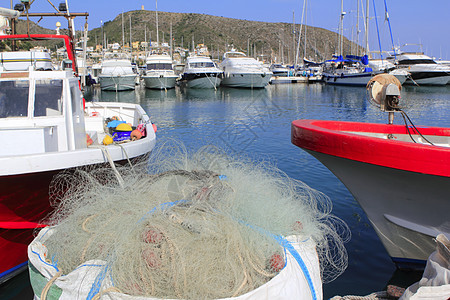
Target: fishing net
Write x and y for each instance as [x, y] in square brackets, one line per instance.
[189, 226]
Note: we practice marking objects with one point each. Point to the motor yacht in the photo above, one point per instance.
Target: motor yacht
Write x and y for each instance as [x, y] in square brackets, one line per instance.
[243, 71]
[201, 72]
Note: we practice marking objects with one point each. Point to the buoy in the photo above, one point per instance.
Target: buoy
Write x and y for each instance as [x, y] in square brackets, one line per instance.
[153, 236]
[152, 260]
[154, 128]
[298, 226]
[135, 135]
[107, 140]
[124, 127]
[89, 141]
[276, 263]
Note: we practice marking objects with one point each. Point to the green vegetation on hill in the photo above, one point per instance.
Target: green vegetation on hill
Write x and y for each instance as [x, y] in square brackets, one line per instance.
[218, 32]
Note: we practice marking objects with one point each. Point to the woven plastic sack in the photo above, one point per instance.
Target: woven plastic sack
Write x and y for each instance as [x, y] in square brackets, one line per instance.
[299, 279]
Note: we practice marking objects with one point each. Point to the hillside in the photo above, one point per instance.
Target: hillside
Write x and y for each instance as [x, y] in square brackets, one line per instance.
[218, 32]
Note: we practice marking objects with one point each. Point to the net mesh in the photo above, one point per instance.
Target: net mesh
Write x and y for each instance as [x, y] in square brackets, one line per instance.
[189, 226]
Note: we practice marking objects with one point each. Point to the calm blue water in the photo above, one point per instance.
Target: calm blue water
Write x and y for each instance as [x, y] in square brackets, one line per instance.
[257, 124]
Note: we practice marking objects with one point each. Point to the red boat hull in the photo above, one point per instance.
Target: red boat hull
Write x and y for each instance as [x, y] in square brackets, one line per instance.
[403, 187]
[24, 202]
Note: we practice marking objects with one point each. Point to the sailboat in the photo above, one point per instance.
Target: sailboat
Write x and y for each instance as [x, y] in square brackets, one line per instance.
[159, 73]
[353, 69]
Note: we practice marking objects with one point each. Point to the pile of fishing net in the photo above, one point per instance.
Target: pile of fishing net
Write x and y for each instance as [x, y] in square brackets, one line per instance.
[199, 226]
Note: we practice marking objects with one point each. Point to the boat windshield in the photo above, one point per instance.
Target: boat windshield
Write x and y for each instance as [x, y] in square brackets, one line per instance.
[14, 98]
[48, 97]
[202, 65]
[162, 66]
[416, 61]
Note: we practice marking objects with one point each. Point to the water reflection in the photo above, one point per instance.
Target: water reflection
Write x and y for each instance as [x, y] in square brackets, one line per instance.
[96, 94]
[159, 95]
[256, 124]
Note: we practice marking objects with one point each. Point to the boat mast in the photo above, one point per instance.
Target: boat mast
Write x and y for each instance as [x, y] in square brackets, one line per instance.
[357, 27]
[341, 30]
[123, 32]
[367, 28]
[306, 14]
[157, 29]
[300, 34]
[171, 51]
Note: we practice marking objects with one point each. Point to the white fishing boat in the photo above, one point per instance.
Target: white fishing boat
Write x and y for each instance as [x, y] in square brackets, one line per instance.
[399, 174]
[243, 71]
[117, 73]
[201, 72]
[46, 128]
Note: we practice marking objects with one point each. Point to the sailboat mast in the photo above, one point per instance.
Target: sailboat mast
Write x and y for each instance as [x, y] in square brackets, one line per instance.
[306, 14]
[300, 34]
[367, 27]
[341, 30]
[157, 29]
[357, 27]
[123, 33]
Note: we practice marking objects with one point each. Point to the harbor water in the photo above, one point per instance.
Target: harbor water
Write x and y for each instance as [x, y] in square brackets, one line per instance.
[256, 124]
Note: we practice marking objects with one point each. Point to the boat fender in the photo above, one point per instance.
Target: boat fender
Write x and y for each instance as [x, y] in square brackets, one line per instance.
[89, 141]
[135, 135]
[154, 127]
[107, 140]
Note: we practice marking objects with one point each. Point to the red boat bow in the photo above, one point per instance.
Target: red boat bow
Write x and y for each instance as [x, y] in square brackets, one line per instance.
[341, 139]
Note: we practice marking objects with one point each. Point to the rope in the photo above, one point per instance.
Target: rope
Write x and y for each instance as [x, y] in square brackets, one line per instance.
[113, 166]
[49, 284]
[110, 289]
[407, 128]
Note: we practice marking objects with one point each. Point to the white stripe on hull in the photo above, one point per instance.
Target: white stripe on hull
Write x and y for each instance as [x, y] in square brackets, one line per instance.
[204, 83]
[159, 83]
[117, 83]
[440, 80]
[256, 80]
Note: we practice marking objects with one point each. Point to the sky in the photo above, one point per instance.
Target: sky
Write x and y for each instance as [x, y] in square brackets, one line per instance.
[412, 21]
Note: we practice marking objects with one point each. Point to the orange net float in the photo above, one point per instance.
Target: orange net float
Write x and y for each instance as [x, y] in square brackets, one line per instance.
[135, 135]
[276, 262]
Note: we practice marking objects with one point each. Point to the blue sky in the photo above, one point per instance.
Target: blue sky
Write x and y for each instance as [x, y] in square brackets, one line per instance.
[412, 21]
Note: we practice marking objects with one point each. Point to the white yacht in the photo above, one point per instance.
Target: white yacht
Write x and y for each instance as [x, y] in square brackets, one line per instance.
[386, 66]
[279, 70]
[424, 70]
[159, 73]
[117, 73]
[201, 72]
[243, 71]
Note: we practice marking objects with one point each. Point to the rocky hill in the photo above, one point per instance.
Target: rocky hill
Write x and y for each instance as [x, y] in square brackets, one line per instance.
[219, 33]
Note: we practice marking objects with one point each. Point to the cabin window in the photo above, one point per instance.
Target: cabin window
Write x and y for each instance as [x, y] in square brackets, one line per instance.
[48, 98]
[14, 98]
[202, 65]
[159, 66]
